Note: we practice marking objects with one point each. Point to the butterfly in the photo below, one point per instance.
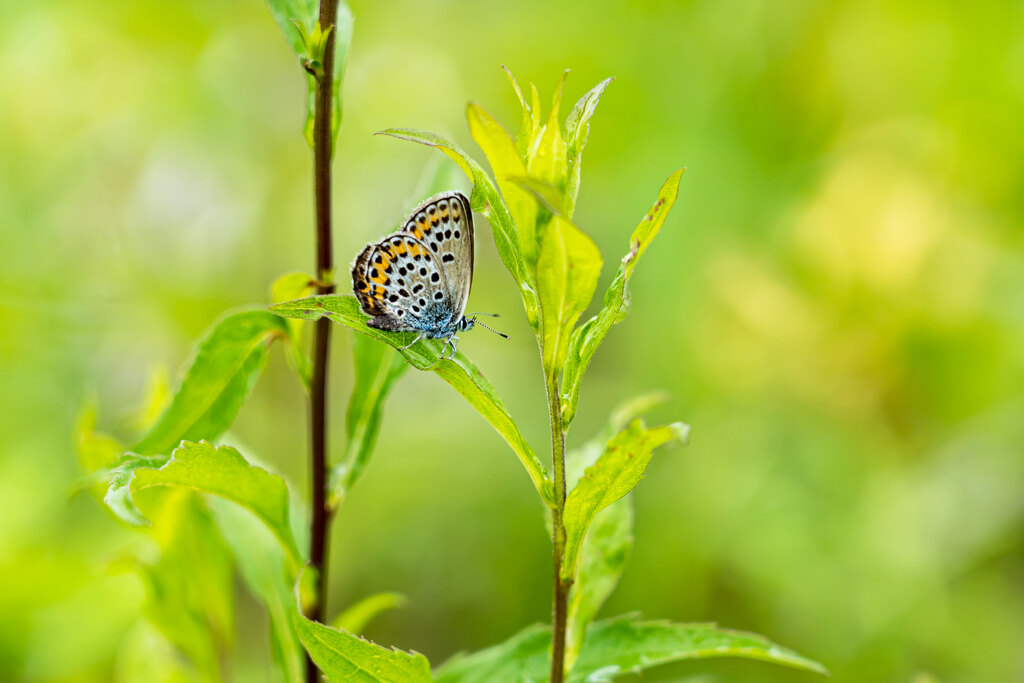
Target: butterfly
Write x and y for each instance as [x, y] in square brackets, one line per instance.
[418, 279]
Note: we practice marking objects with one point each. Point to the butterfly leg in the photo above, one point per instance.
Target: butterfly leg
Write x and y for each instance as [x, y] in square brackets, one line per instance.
[451, 341]
[418, 337]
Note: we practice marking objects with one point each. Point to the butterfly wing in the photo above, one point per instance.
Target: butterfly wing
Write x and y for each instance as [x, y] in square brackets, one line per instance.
[444, 223]
[396, 280]
[369, 294]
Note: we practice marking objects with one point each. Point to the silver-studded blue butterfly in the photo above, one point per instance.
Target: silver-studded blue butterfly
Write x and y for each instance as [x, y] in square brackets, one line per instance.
[418, 279]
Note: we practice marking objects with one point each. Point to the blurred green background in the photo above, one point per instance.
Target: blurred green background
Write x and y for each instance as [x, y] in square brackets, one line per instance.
[836, 305]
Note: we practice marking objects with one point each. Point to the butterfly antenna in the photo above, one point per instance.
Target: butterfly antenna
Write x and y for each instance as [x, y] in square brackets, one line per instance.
[491, 315]
[490, 328]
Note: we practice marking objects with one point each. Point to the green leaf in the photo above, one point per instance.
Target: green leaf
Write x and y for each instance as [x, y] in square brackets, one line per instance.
[119, 493]
[590, 334]
[459, 373]
[309, 124]
[603, 556]
[615, 647]
[523, 657]
[342, 47]
[377, 368]
[355, 618]
[299, 22]
[567, 271]
[579, 459]
[342, 656]
[262, 564]
[485, 199]
[304, 11]
[223, 370]
[342, 33]
[606, 546]
[506, 164]
[577, 131]
[614, 475]
[287, 288]
[193, 609]
[624, 645]
[219, 471]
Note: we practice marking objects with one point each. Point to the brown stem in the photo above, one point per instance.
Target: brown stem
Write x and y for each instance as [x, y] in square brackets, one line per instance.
[322, 152]
[561, 588]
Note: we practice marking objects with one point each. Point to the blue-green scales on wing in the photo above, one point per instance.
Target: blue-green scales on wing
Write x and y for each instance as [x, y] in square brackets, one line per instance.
[418, 279]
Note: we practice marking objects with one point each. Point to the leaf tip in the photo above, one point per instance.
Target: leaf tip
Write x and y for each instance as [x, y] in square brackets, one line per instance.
[680, 432]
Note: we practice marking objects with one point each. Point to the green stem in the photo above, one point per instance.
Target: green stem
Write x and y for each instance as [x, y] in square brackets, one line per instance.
[322, 152]
[561, 588]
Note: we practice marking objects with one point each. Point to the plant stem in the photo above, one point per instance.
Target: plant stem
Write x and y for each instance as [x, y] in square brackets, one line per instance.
[322, 152]
[561, 588]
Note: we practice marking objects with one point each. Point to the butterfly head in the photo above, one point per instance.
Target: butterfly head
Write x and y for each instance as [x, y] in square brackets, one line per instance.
[468, 323]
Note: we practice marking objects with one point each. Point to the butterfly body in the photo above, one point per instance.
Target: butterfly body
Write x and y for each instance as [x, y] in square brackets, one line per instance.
[418, 279]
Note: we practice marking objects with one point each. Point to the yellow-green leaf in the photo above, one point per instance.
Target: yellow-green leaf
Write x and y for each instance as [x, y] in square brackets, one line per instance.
[289, 287]
[606, 546]
[222, 372]
[377, 368]
[547, 160]
[577, 131]
[526, 130]
[303, 11]
[588, 337]
[264, 569]
[506, 164]
[358, 616]
[193, 608]
[486, 199]
[218, 471]
[568, 267]
[614, 475]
